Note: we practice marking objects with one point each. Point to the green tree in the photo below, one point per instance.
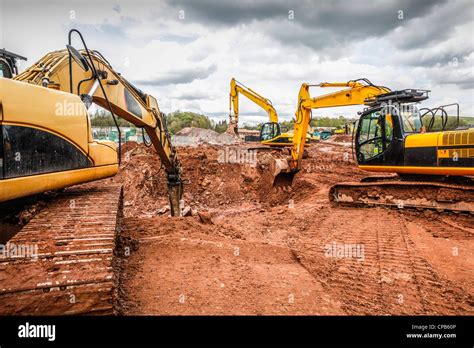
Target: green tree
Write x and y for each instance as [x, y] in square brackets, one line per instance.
[103, 118]
[180, 119]
[221, 126]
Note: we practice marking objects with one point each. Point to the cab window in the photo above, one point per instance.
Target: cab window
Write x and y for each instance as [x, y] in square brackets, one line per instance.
[376, 134]
[411, 119]
[269, 131]
[5, 70]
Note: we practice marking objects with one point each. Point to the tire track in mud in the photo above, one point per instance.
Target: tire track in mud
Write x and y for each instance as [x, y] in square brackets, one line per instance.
[458, 227]
[387, 276]
[441, 296]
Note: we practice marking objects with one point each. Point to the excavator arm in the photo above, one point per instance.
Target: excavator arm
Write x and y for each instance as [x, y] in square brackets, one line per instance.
[87, 74]
[357, 93]
[237, 88]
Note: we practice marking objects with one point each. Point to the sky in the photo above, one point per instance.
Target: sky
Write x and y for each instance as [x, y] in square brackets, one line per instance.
[186, 52]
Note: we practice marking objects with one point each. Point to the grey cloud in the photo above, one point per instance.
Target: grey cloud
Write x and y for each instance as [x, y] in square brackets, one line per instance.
[462, 79]
[178, 38]
[429, 57]
[229, 12]
[181, 76]
[435, 26]
[321, 23]
[196, 95]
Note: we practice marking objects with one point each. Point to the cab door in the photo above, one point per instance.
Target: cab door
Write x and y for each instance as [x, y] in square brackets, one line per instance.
[375, 138]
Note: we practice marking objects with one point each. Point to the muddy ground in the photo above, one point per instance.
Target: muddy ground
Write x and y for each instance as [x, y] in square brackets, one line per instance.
[245, 247]
[249, 248]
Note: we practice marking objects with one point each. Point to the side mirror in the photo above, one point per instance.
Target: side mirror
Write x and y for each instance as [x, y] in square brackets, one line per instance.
[78, 58]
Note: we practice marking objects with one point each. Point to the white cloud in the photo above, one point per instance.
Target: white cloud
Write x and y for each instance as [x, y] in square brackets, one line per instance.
[187, 64]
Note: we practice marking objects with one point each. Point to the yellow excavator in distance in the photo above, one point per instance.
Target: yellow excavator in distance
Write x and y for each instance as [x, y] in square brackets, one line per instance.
[46, 140]
[270, 133]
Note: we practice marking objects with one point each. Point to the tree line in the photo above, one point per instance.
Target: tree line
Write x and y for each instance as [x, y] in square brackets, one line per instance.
[178, 120]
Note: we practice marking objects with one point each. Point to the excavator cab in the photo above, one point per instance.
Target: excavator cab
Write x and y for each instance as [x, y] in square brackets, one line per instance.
[395, 135]
[270, 130]
[382, 128]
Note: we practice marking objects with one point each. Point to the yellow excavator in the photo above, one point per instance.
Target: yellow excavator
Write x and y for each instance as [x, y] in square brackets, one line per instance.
[46, 141]
[270, 134]
[433, 168]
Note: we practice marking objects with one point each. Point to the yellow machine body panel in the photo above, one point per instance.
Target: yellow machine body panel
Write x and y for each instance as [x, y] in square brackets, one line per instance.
[437, 153]
[30, 185]
[46, 141]
[284, 139]
[58, 112]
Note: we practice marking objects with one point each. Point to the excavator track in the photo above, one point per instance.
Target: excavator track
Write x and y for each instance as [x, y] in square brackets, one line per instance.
[67, 264]
[406, 194]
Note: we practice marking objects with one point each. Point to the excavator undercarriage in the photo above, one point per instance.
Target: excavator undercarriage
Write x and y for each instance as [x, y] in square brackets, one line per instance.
[433, 195]
[64, 260]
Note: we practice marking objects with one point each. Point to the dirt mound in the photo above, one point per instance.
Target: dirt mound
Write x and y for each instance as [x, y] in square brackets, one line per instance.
[341, 138]
[191, 136]
[216, 177]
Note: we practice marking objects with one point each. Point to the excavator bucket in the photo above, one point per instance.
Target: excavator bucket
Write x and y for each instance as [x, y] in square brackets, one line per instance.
[232, 129]
[284, 179]
[282, 175]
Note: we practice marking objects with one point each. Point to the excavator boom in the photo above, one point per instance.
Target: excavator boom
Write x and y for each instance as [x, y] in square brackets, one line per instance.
[237, 88]
[356, 93]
